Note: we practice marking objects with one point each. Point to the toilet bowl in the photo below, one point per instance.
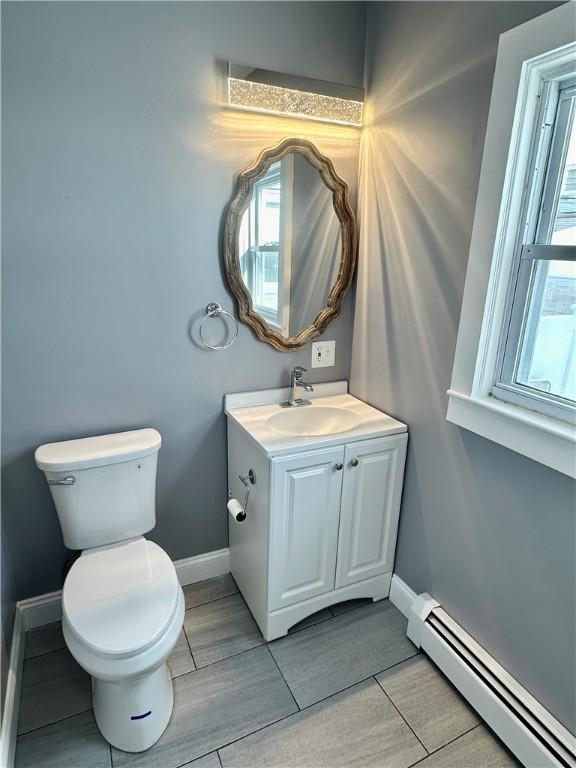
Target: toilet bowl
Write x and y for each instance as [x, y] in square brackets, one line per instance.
[122, 604]
[122, 611]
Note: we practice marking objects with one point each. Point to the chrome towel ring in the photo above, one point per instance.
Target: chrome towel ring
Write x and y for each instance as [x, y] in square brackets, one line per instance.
[215, 310]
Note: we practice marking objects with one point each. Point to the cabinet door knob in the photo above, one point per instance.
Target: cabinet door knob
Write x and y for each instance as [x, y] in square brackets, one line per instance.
[339, 467]
[354, 462]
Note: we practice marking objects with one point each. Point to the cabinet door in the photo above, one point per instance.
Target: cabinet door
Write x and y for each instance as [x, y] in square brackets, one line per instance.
[373, 474]
[304, 516]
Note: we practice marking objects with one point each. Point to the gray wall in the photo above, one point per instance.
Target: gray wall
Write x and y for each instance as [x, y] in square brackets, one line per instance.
[119, 161]
[489, 533]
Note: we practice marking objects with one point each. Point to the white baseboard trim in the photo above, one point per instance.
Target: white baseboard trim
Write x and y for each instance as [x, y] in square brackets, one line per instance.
[201, 567]
[12, 697]
[401, 595]
[45, 609]
[40, 610]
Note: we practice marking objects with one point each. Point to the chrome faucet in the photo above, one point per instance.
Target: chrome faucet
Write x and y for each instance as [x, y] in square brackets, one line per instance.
[295, 382]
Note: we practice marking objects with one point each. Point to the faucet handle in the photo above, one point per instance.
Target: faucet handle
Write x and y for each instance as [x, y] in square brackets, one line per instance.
[299, 370]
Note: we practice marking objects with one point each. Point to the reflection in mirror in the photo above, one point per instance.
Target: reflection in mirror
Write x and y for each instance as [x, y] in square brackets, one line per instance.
[290, 245]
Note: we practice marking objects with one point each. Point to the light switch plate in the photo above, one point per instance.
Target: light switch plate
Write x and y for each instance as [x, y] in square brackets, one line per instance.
[323, 354]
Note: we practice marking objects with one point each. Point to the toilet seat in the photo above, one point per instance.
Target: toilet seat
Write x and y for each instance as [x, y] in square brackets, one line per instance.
[118, 600]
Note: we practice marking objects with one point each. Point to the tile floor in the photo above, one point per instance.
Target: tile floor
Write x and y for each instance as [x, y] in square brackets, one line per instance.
[344, 688]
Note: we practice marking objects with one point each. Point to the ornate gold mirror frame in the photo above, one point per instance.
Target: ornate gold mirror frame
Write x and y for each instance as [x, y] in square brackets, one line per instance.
[241, 201]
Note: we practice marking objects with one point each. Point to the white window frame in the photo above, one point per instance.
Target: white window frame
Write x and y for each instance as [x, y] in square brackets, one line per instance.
[285, 175]
[541, 192]
[528, 57]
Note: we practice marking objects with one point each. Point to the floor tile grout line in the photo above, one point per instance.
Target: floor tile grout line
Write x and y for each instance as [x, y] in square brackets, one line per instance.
[110, 753]
[43, 653]
[439, 749]
[430, 751]
[48, 653]
[283, 678]
[468, 730]
[358, 683]
[229, 743]
[219, 758]
[232, 656]
[403, 718]
[54, 722]
[207, 602]
[347, 688]
[190, 649]
[397, 663]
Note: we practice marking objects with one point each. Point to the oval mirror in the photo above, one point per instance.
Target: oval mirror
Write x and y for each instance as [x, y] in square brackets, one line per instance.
[290, 244]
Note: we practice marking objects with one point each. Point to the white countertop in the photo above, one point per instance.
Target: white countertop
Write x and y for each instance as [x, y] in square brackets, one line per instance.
[251, 411]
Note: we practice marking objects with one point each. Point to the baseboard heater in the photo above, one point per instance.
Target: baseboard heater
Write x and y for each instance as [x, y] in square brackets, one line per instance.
[534, 735]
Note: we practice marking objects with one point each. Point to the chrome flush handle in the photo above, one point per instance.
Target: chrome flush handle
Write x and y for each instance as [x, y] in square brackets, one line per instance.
[62, 480]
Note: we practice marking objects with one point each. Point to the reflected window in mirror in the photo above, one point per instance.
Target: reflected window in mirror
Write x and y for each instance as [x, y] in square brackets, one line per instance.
[262, 255]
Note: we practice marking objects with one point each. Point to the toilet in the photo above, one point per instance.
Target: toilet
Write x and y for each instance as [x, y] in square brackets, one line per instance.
[122, 604]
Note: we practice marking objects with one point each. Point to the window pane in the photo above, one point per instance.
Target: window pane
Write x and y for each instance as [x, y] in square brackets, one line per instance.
[548, 351]
[259, 244]
[268, 244]
[267, 286]
[564, 222]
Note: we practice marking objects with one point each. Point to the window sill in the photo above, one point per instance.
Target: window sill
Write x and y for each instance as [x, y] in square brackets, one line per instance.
[531, 434]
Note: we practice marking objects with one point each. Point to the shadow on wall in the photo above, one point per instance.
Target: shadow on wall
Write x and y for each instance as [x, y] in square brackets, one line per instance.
[472, 528]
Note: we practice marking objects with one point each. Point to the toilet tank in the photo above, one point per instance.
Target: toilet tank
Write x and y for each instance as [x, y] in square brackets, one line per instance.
[104, 488]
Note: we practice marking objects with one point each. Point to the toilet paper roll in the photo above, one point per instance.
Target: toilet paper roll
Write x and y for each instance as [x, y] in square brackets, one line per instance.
[236, 510]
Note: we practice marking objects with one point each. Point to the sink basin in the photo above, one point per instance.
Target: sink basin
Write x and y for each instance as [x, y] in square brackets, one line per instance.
[313, 420]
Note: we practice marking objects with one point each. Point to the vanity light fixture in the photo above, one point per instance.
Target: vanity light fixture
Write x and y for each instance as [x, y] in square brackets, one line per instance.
[261, 90]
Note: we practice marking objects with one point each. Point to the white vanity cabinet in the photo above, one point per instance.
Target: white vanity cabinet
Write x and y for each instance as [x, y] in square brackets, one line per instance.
[321, 522]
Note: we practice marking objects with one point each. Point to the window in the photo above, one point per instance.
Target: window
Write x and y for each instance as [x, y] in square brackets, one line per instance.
[514, 374]
[260, 261]
[537, 356]
[265, 244]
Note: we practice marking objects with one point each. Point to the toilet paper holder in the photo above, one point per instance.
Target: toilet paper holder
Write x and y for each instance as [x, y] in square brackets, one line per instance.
[247, 480]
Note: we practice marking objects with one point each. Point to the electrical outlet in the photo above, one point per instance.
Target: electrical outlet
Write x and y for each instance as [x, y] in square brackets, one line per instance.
[323, 354]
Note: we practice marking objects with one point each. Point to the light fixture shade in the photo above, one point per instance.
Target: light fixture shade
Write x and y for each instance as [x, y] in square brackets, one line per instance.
[266, 91]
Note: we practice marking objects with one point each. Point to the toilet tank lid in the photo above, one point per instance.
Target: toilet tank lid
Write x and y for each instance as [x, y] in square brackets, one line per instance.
[97, 451]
